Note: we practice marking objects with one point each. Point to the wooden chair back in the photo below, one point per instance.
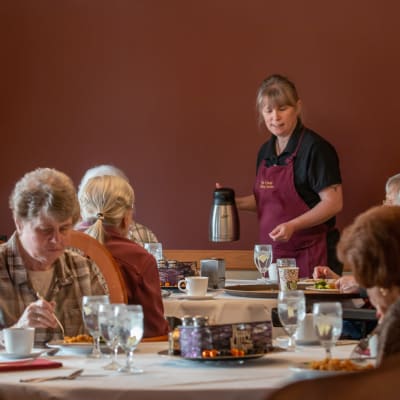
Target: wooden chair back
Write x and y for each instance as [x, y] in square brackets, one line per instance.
[97, 252]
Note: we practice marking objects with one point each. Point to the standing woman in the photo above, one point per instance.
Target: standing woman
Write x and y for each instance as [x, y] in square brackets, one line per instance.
[297, 191]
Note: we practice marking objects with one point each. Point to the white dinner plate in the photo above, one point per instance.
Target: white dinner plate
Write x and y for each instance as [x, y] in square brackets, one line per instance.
[314, 289]
[7, 357]
[208, 296]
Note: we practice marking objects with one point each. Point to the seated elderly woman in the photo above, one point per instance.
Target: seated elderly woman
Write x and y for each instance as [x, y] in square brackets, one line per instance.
[40, 279]
[106, 211]
[138, 233]
[371, 247]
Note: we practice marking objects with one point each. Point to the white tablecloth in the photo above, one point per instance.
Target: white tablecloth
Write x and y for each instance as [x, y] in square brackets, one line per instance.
[166, 378]
[222, 309]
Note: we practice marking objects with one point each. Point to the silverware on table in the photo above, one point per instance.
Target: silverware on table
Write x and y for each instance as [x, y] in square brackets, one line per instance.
[71, 376]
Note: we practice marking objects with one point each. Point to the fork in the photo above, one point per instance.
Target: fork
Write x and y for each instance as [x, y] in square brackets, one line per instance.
[71, 376]
[55, 316]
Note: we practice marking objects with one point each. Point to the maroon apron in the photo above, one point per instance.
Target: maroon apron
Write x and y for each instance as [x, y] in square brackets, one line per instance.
[278, 202]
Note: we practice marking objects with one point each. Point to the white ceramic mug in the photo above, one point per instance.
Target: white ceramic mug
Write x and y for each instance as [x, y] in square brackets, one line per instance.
[19, 340]
[305, 333]
[194, 285]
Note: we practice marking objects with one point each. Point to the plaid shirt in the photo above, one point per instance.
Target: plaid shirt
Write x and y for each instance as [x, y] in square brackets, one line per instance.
[74, 277]
[140, 234]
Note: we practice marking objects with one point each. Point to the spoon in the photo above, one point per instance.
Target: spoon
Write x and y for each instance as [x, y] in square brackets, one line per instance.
[71, 376]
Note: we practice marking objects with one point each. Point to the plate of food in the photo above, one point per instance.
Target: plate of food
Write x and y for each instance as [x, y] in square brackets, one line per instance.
[323, 285]
[78, 345]
[331, 366]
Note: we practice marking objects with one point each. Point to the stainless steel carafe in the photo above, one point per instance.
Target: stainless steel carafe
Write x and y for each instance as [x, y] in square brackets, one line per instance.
[224, 218]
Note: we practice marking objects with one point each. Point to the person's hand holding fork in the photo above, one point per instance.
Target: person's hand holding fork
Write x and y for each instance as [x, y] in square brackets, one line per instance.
[39, 314]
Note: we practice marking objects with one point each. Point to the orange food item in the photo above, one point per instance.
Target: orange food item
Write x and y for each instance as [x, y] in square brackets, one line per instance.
[78, 339]
[334, 364]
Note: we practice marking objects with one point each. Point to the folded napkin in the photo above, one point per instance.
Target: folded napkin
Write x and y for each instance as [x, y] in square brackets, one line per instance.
[39, 363]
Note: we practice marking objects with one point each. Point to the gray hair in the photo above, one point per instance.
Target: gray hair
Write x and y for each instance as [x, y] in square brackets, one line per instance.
[101, 170]
[394, 182]
[45, 190]
[104, 201]
[279, 90]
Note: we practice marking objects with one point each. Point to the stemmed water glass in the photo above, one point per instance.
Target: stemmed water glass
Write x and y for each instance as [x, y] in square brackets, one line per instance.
[109, 330]
[155, 249]
[90, 313]
[130, 334]
[263, 258]
[328, 322]
[291, 312]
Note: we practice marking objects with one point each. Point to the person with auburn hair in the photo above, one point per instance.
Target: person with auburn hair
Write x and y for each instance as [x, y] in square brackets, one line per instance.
[41, 279]
[107, 204]
[371, 247]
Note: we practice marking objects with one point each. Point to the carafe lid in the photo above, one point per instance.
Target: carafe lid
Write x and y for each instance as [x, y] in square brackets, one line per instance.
[224, 196]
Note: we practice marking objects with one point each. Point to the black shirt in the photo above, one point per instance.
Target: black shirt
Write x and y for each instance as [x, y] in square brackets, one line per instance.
[316, 165]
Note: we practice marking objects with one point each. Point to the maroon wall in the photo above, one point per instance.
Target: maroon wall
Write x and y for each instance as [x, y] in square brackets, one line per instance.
[165, 89]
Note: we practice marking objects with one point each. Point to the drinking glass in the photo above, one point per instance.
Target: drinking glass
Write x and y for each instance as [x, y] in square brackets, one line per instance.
[328, 324]
[155, 249]
[130, 334]
[90, 313]
[263, 258]
[109, 330]
[291, 312]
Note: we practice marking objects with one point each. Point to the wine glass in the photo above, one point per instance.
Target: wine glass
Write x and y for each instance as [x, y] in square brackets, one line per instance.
[130, 326]
[328, 324]
[291, 312]
[155, 249]
[109, 330]
[90, 309]
[263, 258]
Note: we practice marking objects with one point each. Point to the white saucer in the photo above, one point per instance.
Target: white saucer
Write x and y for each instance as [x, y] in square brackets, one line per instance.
[208, 296]
[19, 357]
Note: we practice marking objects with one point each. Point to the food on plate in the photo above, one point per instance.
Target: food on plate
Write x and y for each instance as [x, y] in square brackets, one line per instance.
[335, 364]
[78, 339]
[323, 284]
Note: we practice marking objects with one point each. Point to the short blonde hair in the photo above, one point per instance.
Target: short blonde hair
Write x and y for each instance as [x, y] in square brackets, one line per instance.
[45, 190]
[104, 201]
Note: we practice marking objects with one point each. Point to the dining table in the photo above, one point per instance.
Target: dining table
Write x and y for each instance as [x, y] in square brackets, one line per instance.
[243, 301]
[167, 377]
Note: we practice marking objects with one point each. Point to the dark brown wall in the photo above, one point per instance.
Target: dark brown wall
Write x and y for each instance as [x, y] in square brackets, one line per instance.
[165, 89]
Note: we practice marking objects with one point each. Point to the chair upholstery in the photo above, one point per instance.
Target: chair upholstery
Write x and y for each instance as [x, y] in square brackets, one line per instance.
[97, 252]
[381, 383]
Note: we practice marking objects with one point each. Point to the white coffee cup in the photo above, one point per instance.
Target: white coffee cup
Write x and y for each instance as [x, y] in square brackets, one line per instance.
[305, 333]
[19, 340]
[194, 285]
[273, 272]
